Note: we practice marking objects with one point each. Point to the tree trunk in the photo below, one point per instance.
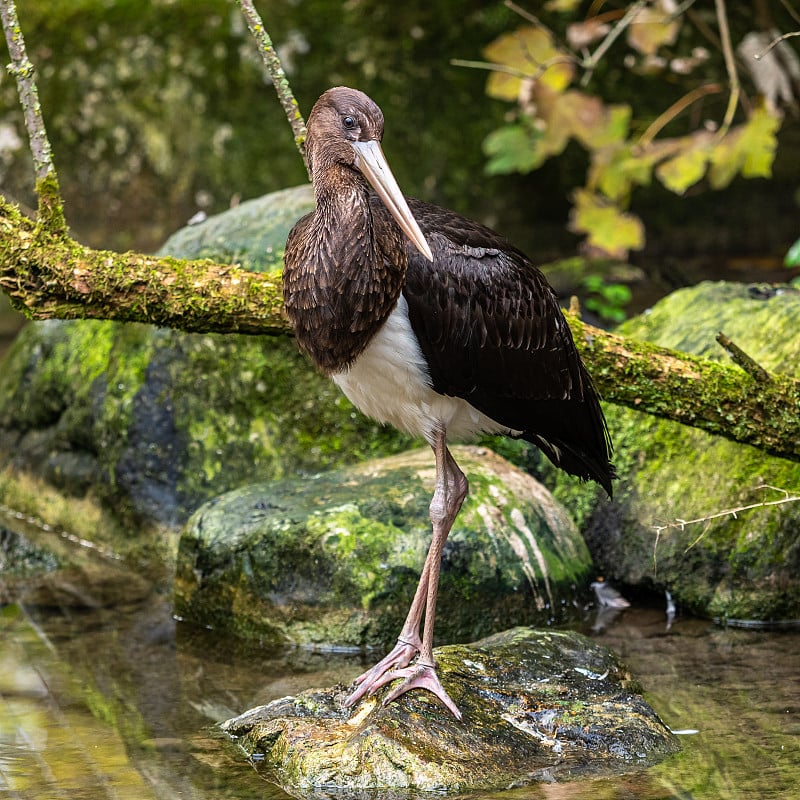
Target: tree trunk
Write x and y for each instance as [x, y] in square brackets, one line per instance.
[49, 275]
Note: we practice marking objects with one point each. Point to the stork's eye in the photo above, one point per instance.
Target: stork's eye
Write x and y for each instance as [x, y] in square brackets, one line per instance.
[349, 122]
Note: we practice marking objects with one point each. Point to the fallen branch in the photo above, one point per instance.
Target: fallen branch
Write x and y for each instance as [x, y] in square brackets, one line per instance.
[694, 391]
[48, 275]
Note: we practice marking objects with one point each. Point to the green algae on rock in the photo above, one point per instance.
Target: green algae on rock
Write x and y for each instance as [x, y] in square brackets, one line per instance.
[745, 566]
[333, 560]
[537, 705]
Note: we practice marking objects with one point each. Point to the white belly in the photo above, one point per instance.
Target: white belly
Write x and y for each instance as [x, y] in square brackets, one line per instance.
[390, 382]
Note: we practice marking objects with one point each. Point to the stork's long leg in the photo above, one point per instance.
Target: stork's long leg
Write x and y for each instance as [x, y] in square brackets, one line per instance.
[449, 494]
[408, 642]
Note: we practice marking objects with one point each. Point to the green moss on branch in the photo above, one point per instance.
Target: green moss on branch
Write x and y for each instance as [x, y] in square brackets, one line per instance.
[695, 391]
[47, 274]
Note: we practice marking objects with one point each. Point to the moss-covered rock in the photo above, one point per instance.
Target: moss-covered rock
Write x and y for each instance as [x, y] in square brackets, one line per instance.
[253, 234]
[745, 565]
[149, 423]
[537, 706]
[333, 560]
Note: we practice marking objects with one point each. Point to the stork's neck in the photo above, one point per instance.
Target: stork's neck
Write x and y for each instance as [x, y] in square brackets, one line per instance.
[342, 207]
[335, 182]
[345, 269]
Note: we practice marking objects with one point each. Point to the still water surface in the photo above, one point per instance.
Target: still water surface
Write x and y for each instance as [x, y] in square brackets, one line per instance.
[119, 703]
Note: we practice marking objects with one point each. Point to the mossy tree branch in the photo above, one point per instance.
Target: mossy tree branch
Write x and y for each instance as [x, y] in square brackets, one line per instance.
[718, 398]
[48, 275]
[277, 75]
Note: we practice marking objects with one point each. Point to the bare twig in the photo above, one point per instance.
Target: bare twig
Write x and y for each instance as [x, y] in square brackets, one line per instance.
[774, 43]
[730, 67]
[591, 63]
[491, 66]
[524, 13]
[746, 362]
[788, 6]
[682, 524]
[276, 73]
[23, 72]
[667, 116]
[51, 210]
[516, 73]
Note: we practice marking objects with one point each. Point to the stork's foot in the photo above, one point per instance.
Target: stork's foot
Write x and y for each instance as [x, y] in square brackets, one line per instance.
[418, 676]
[402, 655]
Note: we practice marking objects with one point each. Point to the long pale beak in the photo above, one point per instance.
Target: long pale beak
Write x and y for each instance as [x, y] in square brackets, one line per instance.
[373, 165]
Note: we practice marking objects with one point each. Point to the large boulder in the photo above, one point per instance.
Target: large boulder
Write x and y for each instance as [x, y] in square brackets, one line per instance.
[741, 565]
[538, 706]
[145, 424]
[332, 561]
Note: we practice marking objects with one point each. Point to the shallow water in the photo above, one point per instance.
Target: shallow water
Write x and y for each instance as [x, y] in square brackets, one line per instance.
[119, 702]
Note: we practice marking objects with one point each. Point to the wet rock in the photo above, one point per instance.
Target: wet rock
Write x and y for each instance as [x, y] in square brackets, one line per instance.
[537, 706]
[253, 234]
[745, 567]
[333, 560]
[44, 569]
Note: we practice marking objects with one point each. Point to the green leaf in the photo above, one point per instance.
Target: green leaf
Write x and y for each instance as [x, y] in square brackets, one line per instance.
[605, 310]
[607, 227]
[618, 294]
[748, 149]
[793, 256]
[606, 299]
[615, 171]
[684, 170]
[512, 149]
[529, 50]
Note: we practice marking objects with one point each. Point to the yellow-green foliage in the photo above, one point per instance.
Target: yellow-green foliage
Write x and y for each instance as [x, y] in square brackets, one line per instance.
[547, 77]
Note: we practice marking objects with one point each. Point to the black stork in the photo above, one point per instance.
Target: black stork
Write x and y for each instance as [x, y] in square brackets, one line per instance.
[435, 324]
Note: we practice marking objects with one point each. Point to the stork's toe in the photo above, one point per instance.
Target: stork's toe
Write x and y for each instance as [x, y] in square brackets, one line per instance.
[401, 656]
[418, 676]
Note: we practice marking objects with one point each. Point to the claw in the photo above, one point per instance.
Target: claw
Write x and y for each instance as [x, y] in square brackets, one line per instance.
[419, 676]
[402, 655]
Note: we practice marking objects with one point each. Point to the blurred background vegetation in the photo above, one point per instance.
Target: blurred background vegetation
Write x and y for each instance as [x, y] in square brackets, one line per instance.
[159, 109]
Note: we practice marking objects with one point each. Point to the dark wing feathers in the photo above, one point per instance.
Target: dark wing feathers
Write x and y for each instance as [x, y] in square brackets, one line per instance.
[492, 332]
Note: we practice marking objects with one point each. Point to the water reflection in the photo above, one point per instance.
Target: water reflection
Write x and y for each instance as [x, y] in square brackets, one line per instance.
[117, 702]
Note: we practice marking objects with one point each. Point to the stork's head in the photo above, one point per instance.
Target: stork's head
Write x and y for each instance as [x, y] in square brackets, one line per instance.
[345, 129]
